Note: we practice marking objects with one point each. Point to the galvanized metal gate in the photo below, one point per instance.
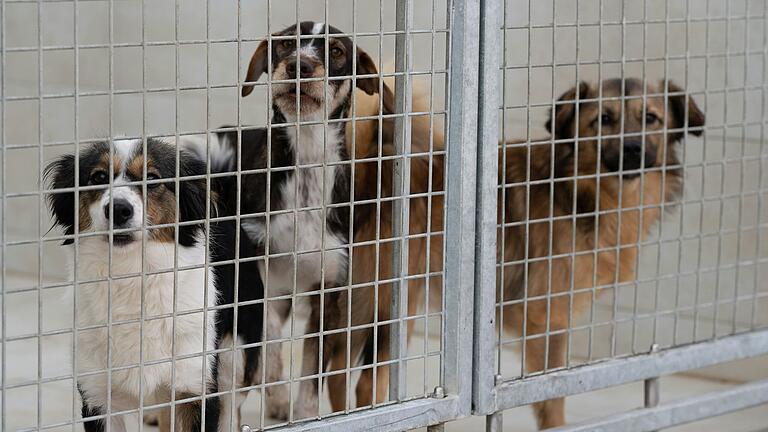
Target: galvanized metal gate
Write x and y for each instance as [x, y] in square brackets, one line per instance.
[492, 47]
[517, 45]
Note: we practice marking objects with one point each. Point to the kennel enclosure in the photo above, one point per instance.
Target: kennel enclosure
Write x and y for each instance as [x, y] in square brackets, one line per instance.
[78, 71]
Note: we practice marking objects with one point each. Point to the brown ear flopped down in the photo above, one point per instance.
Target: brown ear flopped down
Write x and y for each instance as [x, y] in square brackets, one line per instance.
[365, 66]
[677, 106]
[256, 67]
[565, 112]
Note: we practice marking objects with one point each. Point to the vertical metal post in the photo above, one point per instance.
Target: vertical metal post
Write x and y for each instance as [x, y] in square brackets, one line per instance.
[401, 189]
[460, 212]
[3, 219]
[494, 422]
[651, 386]
[651, 390]
[489, 94]
[440, 427]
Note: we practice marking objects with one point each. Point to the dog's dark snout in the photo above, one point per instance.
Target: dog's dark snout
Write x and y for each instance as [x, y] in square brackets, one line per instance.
[633, 148]
[306, 69]
[123, 212]
[633, 154]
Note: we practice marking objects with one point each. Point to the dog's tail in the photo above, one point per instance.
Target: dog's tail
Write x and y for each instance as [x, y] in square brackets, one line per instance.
[222, 154]
[218, 147]
[426, 129]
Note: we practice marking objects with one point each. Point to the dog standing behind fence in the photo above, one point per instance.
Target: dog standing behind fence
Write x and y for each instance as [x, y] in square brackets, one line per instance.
[130, 282]
[584, 220]
[636, 156]
[301, 207]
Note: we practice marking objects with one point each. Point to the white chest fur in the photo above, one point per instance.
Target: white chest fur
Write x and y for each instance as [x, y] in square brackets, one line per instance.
[304, 231]
[129, 341]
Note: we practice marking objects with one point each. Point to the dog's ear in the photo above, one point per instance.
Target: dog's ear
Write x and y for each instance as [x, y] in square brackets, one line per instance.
[365, 66]
[677, 108]
[61, 174]
[564, 114]
[256, 67]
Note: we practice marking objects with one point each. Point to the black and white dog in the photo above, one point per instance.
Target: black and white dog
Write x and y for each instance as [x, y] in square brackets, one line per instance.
[300, 209]
[143, 285]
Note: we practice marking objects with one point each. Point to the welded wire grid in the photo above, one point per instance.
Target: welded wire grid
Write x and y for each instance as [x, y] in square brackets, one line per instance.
[699, 269]
[77, 72]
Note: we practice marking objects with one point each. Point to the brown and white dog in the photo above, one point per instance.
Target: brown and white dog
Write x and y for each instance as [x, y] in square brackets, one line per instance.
[298, 213]
[629, 148]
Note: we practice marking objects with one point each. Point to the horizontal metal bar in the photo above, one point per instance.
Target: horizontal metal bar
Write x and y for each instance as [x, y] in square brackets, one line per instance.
[678, 412]
[629, 22]
[708, 56]
[170, 43]
[611, 373]
[182, 42]
[404, 416]
[49, 96]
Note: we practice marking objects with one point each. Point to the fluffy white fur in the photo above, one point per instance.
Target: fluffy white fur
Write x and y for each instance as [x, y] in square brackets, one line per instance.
[313, 145]
[307, 230]
[125, 339]
[221, 152]
[226, 370]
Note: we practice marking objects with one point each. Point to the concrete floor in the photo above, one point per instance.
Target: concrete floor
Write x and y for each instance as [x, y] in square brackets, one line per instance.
[55, 403]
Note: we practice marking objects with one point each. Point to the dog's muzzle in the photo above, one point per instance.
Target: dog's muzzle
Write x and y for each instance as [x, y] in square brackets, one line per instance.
[633, 159]
[120, 216]
[306, 68]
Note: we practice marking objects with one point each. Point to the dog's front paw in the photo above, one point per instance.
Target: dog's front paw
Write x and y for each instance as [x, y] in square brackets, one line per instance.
[278, 402]
[306, 406]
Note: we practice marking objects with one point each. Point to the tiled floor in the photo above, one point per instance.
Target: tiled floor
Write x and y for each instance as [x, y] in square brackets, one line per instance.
[55, 401]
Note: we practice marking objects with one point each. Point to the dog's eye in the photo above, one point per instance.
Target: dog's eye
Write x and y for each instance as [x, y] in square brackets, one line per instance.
[336, 52]
[606, 119]
[98, 178]
[651, 118]
[286, 43]
[151, 177]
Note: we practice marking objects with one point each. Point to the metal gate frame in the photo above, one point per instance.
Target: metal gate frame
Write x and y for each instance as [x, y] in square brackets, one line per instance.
[491, 394]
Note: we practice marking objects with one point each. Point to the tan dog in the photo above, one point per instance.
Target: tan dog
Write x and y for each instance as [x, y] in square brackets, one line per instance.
[361, 299]
[636, 156]
[638, 159]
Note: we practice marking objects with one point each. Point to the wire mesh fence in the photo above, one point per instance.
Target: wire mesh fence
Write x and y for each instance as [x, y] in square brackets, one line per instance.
[680, 294]
[322, 215]
[629, 198]
[203, 262]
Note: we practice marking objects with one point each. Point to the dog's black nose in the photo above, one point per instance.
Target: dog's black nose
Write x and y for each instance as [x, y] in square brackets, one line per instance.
[633, 154]
[123, 212]
[306, 69]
